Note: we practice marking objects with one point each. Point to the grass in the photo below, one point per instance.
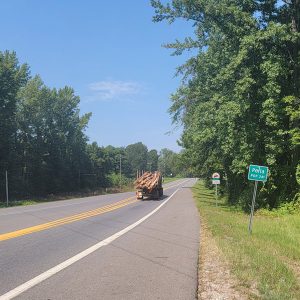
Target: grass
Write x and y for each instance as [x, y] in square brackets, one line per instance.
[20, 203]
[170, 179]
[125, 188]
[70, 195]
[267, 262]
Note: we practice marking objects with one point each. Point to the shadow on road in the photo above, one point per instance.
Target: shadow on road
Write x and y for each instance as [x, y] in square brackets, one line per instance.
[151, 199]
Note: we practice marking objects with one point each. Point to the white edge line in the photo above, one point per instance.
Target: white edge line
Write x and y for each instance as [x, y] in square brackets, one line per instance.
[180, 183]
[47, 274]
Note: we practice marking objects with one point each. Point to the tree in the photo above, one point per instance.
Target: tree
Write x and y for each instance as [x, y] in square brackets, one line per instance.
[152, 160]
[100, 165]
[136, 155]
[12, 77]
[51, 139]
[43, 143]
[166, 162]
[237, 92]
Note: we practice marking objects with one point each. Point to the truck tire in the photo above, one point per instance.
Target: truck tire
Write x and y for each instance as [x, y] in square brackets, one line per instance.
[161, 192]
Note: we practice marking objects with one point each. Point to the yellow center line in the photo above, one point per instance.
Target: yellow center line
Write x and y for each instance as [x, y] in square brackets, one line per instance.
[67, 220]
[70, 219]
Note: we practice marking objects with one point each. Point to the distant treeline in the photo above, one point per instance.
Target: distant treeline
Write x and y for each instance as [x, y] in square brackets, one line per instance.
[43, 146]
[239, 100]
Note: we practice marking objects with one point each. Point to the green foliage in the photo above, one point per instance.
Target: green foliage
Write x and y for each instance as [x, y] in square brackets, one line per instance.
[43, 143]
[173, 164]
[12, 77]
[117, 181]
[51, 139]
[136, 155]
[289, 208]
[166, 162]
[239, 97]
[265, 263]
[152, 160]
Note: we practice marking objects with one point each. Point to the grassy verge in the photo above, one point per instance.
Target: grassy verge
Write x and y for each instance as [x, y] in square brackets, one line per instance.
[268, 261]
[170, 179]
[71, 195]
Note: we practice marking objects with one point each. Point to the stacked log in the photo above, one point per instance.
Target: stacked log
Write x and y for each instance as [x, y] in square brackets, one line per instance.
[148, 181]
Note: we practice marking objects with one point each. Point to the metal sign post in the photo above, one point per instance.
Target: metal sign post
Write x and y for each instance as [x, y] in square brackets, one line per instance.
[252, 207]
[256, 173]
[6, 185]
[216, 180]
[216, 194]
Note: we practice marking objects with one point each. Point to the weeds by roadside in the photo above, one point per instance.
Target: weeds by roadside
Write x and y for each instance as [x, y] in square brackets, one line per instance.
[129, 187]
[268, 261]
[65, 196]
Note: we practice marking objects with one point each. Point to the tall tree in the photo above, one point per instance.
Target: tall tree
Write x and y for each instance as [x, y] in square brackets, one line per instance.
[152, 160]
[12, 77]
[52, 141]
[167, 163]
[238, 92]
[137, 157]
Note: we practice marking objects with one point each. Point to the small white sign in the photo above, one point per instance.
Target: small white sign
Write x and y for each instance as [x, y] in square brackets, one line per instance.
[216, 181]
[216, 175]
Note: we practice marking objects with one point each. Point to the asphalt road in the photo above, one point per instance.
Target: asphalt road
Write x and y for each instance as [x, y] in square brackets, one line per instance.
[102, 247]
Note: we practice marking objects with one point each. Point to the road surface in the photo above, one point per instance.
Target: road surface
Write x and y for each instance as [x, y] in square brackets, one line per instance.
[102, 247]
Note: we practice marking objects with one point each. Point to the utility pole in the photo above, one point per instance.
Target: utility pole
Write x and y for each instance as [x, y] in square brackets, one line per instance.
[120, 171]
[6, 184]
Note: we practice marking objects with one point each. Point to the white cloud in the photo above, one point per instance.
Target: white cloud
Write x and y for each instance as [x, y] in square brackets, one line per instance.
[114, 90]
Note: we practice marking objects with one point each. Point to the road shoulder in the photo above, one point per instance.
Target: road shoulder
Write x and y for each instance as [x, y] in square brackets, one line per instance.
[215, 278]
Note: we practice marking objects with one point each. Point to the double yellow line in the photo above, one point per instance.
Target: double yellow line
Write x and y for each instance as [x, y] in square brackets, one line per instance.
[71, 219]
[67, 220]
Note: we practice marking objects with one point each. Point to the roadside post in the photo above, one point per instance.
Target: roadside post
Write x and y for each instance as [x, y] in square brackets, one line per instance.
[6, 187]
[216, 180]
[256, 173]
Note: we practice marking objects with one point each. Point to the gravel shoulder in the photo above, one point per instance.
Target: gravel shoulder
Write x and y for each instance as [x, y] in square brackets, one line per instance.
[215, 279]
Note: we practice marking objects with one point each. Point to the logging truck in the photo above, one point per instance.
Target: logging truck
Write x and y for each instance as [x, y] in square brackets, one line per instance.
[149, 185]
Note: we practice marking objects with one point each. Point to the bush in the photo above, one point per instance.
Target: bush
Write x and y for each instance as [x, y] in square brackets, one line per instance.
[116, 181]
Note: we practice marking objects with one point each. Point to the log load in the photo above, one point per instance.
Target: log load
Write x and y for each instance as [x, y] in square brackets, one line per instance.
[148, 181]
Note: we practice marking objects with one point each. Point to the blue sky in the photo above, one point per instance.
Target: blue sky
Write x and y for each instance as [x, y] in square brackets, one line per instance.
[110, 53]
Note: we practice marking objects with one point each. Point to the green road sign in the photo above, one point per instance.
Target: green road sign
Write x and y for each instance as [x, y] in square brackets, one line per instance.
[216, 181]
[258, 173]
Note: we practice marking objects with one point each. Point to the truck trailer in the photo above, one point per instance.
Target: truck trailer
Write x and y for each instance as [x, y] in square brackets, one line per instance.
[149, 186]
